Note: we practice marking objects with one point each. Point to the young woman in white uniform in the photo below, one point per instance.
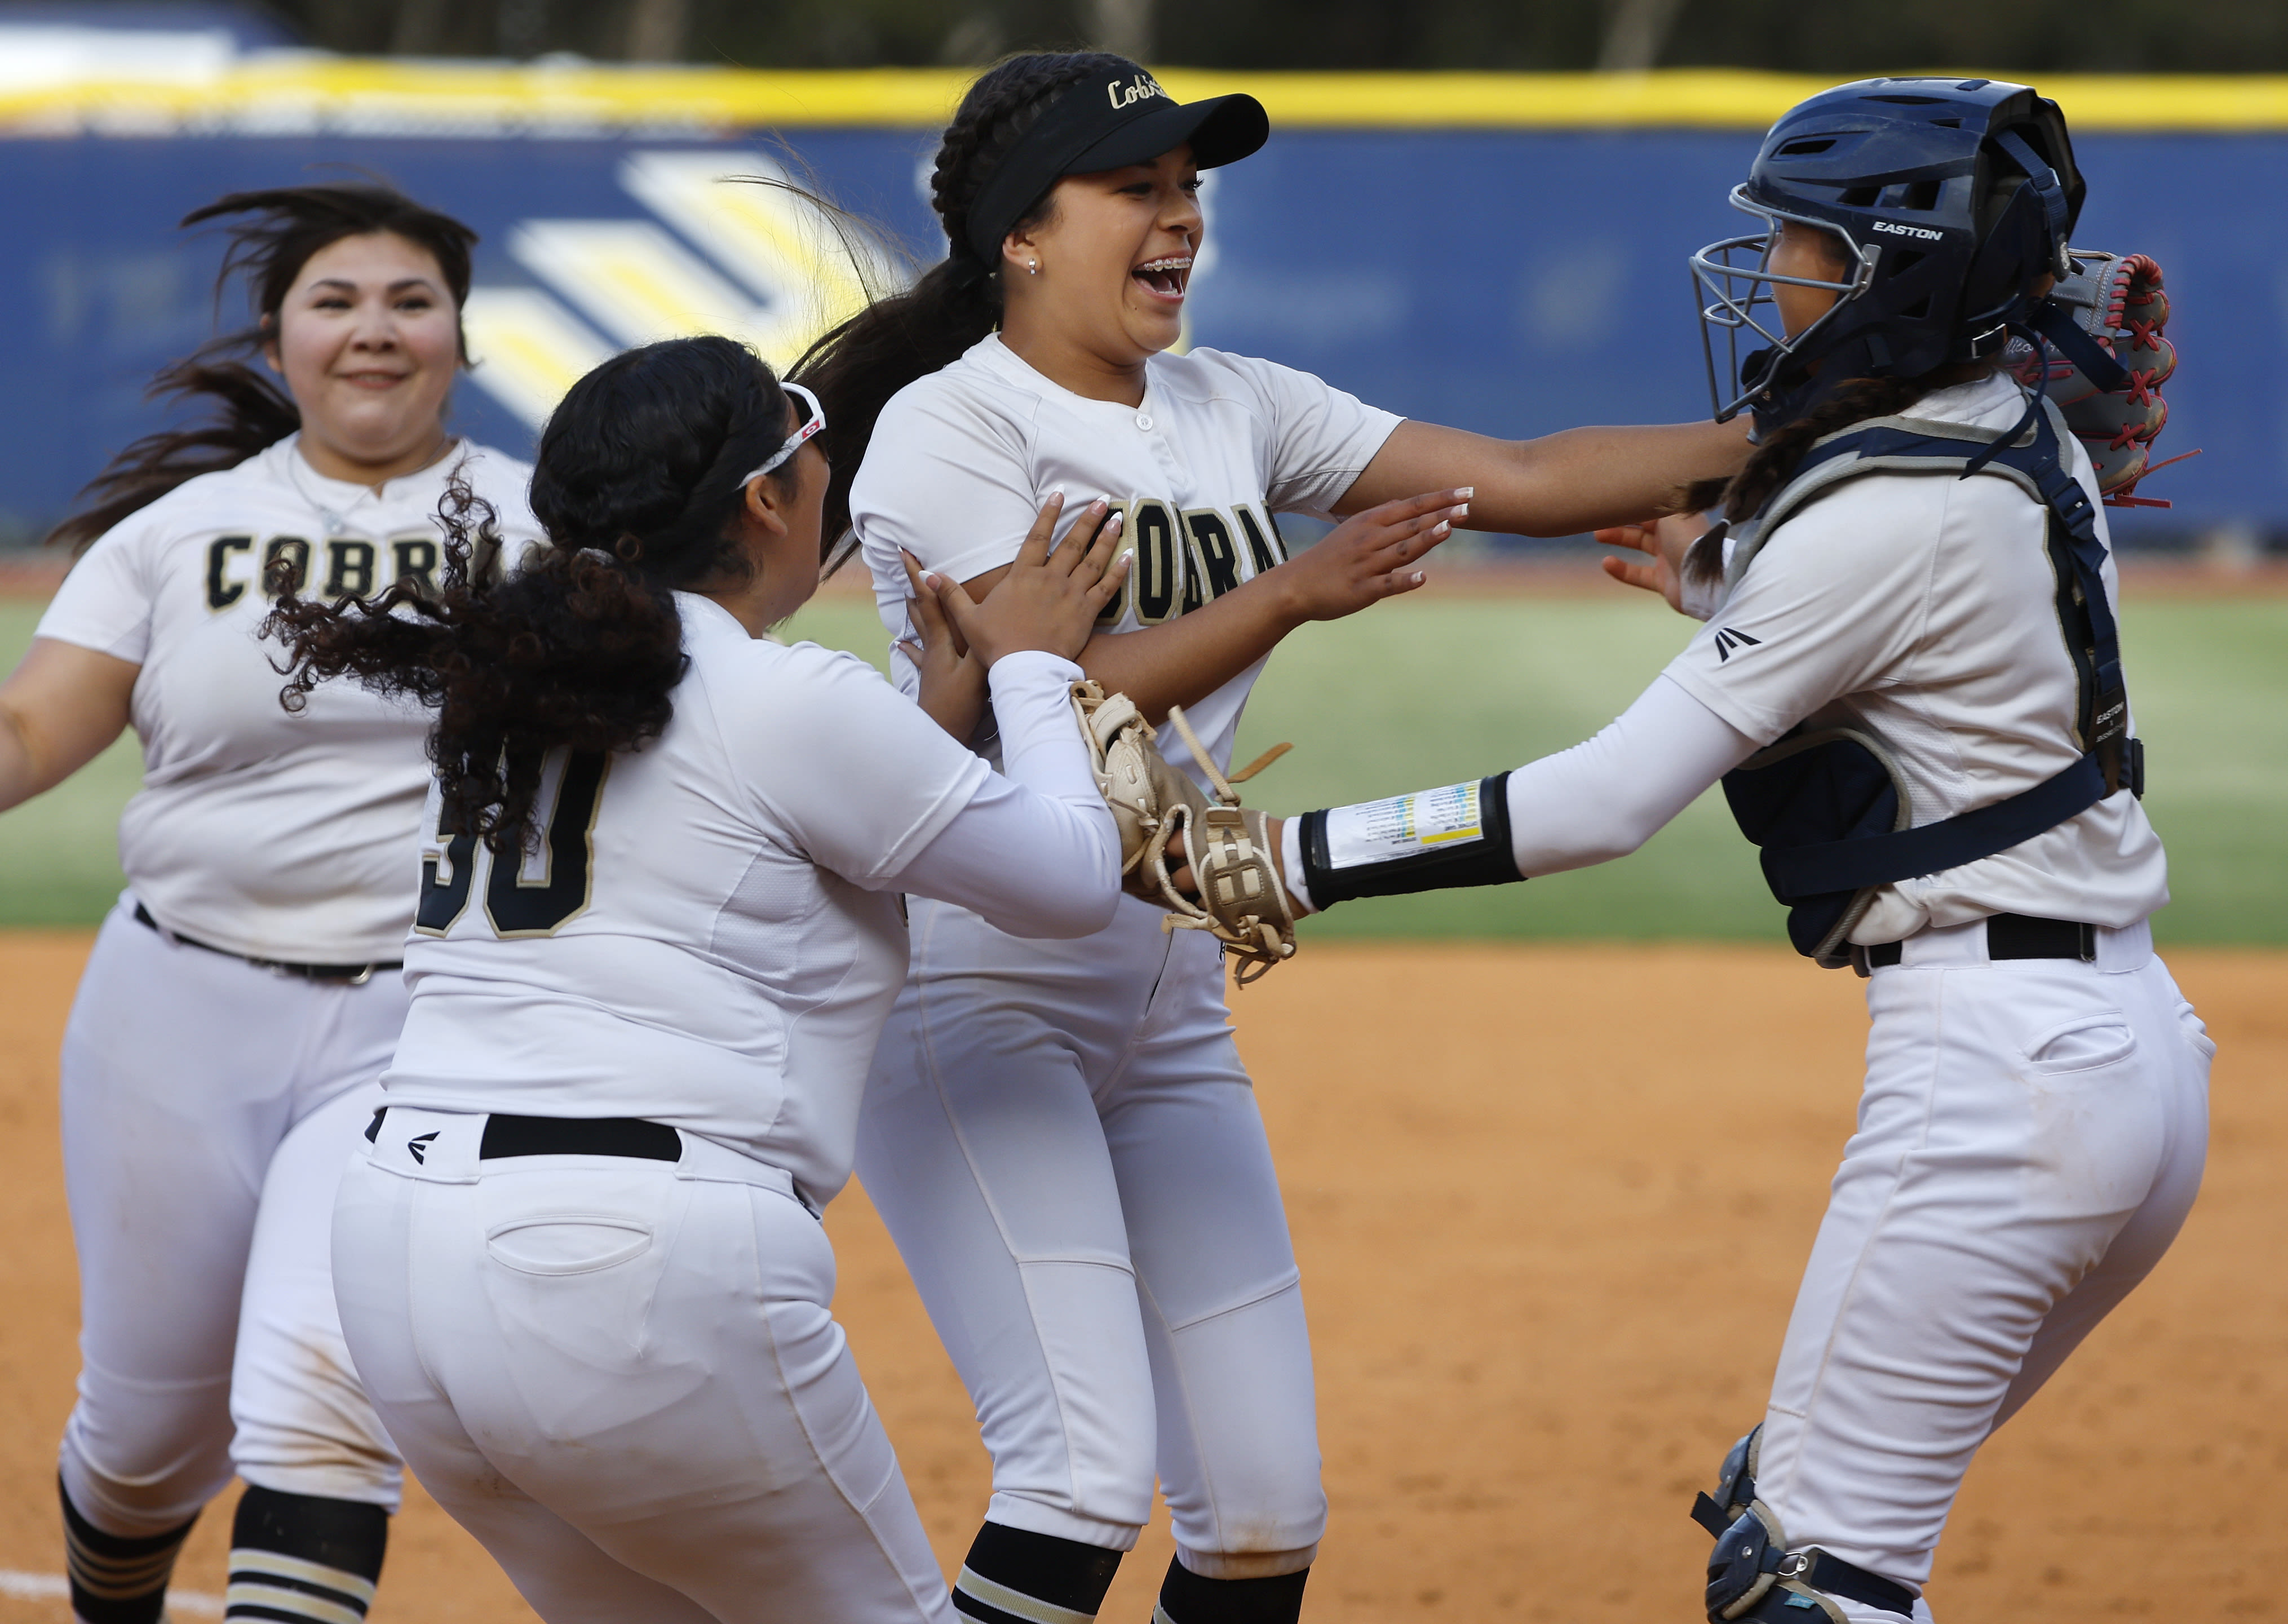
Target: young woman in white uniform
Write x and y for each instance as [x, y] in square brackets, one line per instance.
[660, 926]
[1908, 633]
[242, 1000]
[1061, 1136]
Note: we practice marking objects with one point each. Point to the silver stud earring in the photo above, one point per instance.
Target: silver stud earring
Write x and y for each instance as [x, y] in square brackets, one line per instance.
[1032, 267]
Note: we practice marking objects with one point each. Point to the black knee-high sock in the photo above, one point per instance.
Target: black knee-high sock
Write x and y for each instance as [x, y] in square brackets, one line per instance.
[1014, 1577]
[301, 1557]
[1187, 1598]
[114, 1579]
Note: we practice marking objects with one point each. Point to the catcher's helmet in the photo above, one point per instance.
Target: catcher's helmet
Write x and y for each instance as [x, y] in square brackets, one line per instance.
[1950, 198]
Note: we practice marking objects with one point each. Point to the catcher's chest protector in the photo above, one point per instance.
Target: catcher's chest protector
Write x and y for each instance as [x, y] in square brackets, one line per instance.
[1830, 807]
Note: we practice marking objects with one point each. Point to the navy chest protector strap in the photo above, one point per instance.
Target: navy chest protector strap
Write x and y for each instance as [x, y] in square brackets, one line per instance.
[1830, 807]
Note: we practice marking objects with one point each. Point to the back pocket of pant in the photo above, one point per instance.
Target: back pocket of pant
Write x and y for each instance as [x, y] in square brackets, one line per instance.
[565, 1243]
[2102, 1037]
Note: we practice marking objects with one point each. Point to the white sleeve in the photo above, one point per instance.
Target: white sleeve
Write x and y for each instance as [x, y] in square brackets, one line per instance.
[946, 483]
[1321, 438]
[1605, 797]
[105, 603]
[1035, 852]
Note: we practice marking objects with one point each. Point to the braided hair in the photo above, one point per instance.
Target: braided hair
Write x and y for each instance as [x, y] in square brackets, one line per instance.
[639, 483]
[858, 366]
[275, 233]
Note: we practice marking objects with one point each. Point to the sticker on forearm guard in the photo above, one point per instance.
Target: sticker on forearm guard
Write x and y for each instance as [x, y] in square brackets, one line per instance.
[1403, 826]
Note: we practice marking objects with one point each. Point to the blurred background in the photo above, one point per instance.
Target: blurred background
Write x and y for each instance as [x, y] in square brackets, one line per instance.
[1473, 212]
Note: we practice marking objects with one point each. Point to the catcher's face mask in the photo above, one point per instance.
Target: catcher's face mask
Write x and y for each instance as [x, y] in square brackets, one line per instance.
[1733, 280]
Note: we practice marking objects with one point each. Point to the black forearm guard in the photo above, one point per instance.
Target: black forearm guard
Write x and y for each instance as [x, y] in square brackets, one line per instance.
[1480, 859]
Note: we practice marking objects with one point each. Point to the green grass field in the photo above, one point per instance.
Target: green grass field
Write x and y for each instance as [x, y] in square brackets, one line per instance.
[1416, 694]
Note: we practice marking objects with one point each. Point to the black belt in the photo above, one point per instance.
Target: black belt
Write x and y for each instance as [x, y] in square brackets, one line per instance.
[2008, 935]
[356, 975]
[629, 1136]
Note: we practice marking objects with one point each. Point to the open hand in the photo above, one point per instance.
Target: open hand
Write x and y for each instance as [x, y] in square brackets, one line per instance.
[1663, 542]
[1364, 559]
[952, 681]
[1048, 600]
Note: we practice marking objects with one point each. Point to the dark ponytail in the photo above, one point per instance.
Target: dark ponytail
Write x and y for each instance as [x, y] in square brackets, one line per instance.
[1780, 452]
[287, 226]
[639, 481]
[858, 366]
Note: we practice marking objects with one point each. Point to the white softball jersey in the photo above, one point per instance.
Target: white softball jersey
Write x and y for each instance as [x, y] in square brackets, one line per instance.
[622, 1374]
[710, 933]
[209, 1104]
[274, 835]
[2031, 1132]
[1921, 609]
[1061, 1136]
[1220, 443]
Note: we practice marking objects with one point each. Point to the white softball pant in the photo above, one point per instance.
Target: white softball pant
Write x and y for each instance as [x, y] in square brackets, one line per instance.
[623, 1378]
[2031, 1136]
[1062, 1141]
[209, 1108]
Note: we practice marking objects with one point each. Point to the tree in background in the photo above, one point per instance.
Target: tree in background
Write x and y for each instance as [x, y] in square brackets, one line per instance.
[1838, 37]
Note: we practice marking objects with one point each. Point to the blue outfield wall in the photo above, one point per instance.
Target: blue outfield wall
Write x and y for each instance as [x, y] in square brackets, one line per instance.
[1511, 280]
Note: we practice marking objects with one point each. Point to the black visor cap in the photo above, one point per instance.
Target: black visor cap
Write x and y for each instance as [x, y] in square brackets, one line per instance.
[1109, 123]
[1221, 130]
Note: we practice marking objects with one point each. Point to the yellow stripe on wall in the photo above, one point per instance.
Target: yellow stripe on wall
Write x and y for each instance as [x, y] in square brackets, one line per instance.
[293, 94]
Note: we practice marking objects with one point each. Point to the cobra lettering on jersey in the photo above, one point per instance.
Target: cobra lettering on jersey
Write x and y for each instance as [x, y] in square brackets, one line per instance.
[353, 567]
[416, 557]
[349, 568]
[1184, 560]
[1381, 831]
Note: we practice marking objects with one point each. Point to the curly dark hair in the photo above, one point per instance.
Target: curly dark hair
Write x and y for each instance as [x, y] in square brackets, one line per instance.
[638, 483]
[275, 233]
[856, 368]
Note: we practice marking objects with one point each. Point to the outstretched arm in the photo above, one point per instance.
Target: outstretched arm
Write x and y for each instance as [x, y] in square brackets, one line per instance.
[1599, 800]
[1562, 485]
[58, 711]
[1365, 560]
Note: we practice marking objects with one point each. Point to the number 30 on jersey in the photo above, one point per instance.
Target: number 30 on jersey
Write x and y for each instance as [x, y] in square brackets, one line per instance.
[517, 903]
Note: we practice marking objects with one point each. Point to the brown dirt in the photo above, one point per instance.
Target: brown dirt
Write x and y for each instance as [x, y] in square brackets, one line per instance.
[1550, 1203]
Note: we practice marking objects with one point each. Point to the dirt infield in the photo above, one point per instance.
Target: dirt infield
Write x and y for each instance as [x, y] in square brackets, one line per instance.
[1551, 1203]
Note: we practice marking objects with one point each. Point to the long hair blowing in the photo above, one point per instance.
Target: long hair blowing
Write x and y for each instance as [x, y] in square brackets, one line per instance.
[638, 482]
[856, 368]
[273, 236]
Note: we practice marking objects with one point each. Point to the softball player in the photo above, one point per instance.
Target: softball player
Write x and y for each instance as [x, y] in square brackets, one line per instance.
[1061, 1136]
[240, 1002]
[1909, 685]
[659, 930]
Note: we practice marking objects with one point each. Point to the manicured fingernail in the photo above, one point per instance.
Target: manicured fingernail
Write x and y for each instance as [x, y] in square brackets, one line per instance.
[1420, 577]
[1442, 529]
[1114, 523]
[1463, 511]
[930, 579]
[1466, 491]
